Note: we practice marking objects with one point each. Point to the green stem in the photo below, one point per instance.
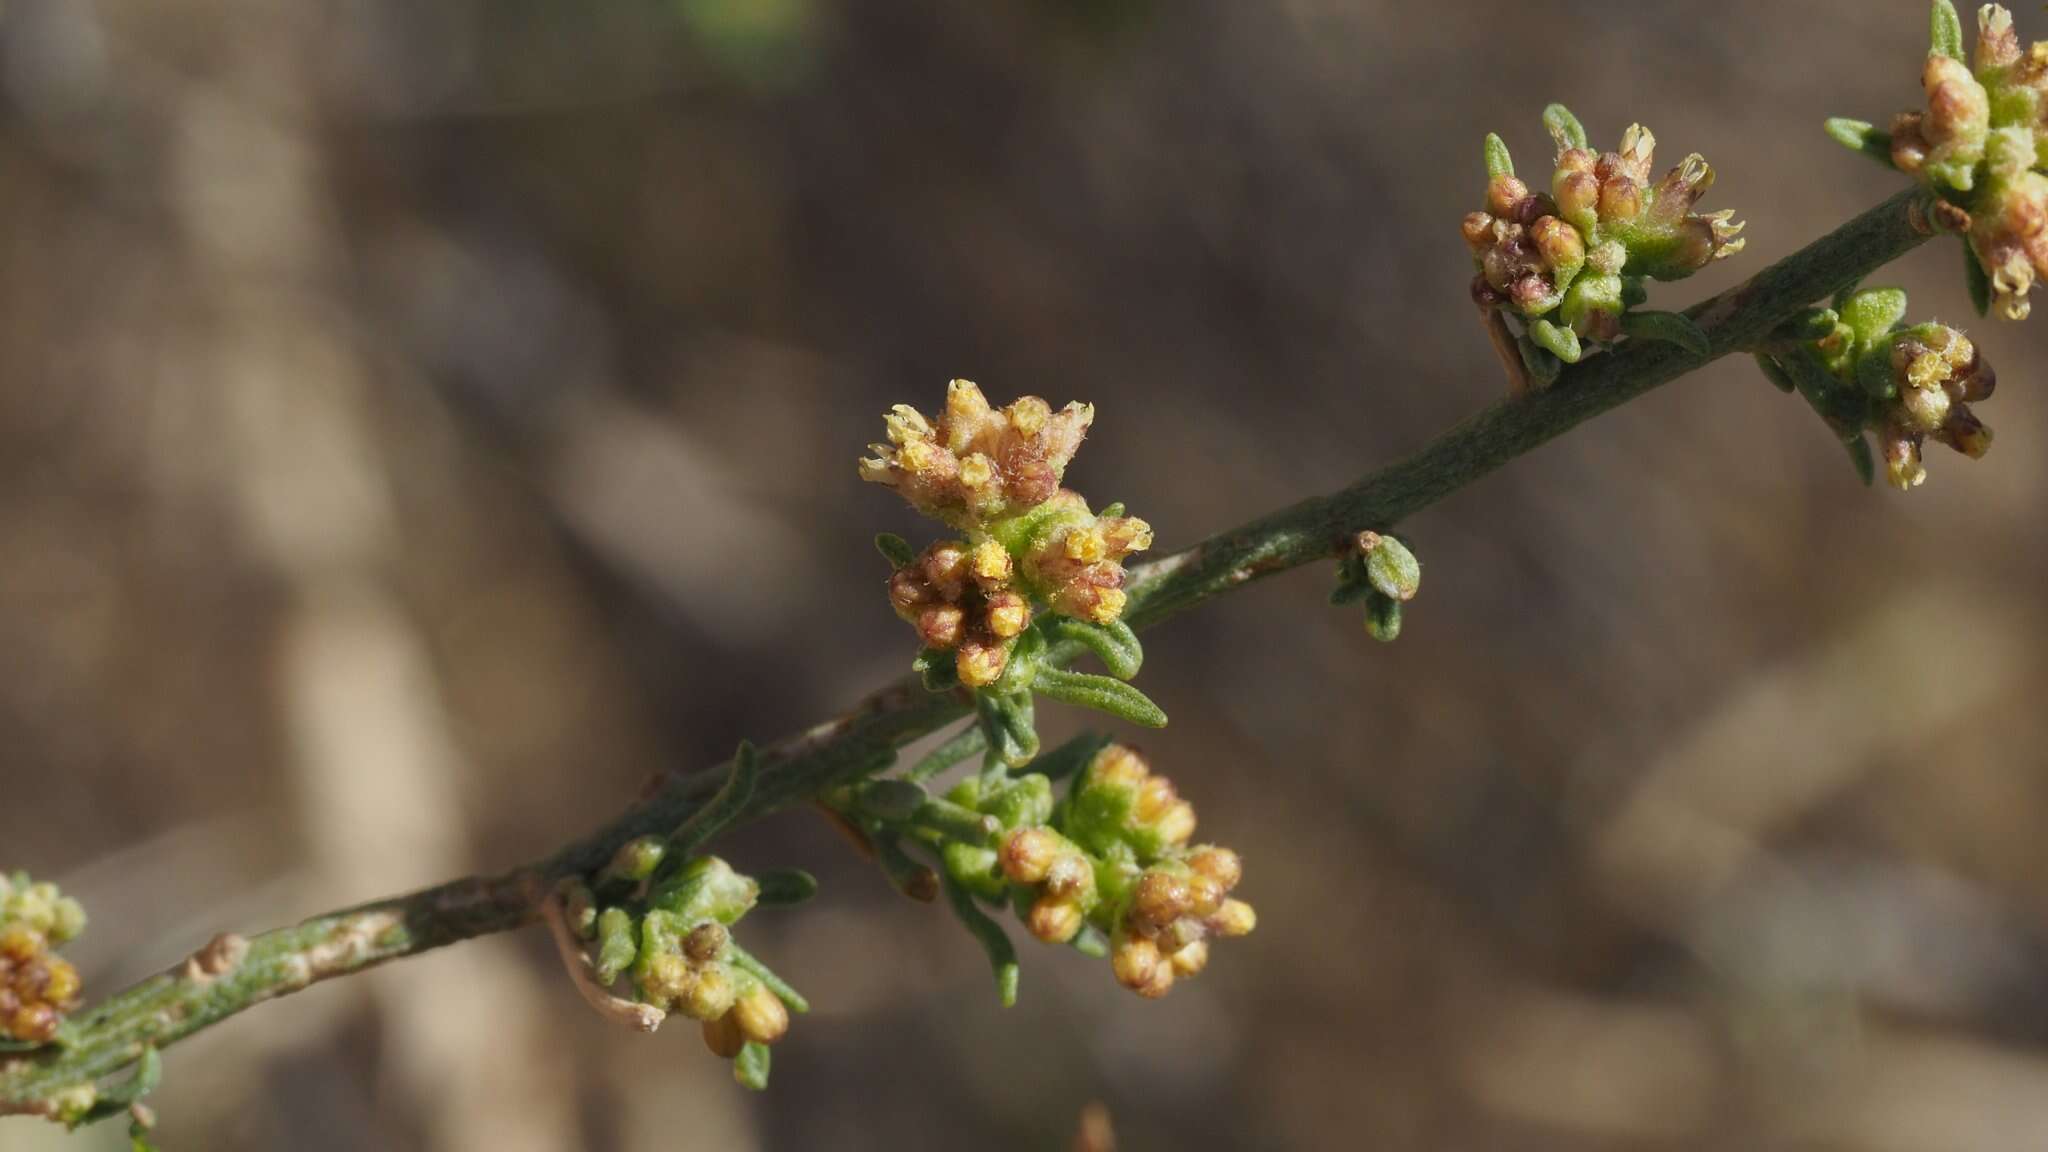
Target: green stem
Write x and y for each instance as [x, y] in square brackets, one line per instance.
[161, 1011]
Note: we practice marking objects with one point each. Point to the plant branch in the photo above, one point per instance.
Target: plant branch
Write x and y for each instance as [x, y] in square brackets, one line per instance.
[222, 981]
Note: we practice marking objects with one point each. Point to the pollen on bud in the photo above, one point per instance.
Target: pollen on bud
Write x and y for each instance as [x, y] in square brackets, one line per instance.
[976, 463]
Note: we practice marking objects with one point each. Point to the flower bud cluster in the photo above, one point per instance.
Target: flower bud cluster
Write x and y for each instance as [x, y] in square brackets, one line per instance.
[1027, 545]
[674, 939]
[1570, 259]
[962, 599]
[37, 987]
[1980, 143]
[1112, 861]
[1869, 371]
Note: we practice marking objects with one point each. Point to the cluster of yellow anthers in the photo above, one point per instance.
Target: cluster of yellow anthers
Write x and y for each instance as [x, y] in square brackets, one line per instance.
[994, 475]
[976, 463]
[1980, 141]
[37, 987]
[1117, 857]
[1939, 373]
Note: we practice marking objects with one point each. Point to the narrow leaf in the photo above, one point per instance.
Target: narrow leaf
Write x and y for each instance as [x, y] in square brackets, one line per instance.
[956, 822]
[1498, 162]
[1102, 694]
[1557, 340]
[1008, 721]
[1383, 618]
[717, 812]
[1564, 127]
[617, 947]
[1668, 328]
[895, 549]
[751, 1066]
[786, 886]
[746, 962]
[1544, 367]
[1945, 31]
[1114, 644]
[1862, 136]
[1002, 955]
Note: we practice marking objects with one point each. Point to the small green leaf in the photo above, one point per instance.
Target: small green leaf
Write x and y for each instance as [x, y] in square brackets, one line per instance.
[1498, 162]
[1979, 282]
[1945, 31]
[1871, 313]
[895, 549]
[1114, 644]
[1102, 694]
[747, 962]
[1383, 618]
[731, 799]
[1668, 328]
[957, 823]
[1110, 510]
[1544, 367]
[1560, 342]
[786, 886]
[751, 1066]
[1392, 569]
[617, 947]
[1862, 136]
[1564, 128]
[1008, 722]
[1002, 954]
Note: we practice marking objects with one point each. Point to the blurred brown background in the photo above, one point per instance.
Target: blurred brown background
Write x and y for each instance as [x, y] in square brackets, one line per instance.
[424, 421]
